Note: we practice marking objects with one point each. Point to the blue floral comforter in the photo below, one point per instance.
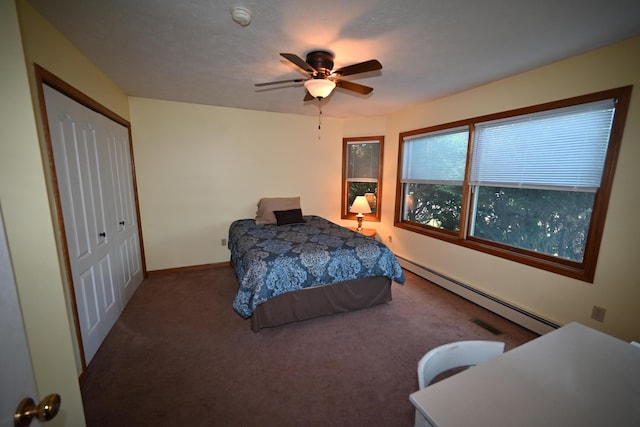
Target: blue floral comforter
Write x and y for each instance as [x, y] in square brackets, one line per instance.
[270, 260]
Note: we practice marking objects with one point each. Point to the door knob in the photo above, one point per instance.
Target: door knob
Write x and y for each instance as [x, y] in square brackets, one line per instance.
[44, 411]
[103, 234]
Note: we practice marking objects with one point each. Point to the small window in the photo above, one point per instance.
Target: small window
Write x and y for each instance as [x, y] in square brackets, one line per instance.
[531, 185]
[361, 174]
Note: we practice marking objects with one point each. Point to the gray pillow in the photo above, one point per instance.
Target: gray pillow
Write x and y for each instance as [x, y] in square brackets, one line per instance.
[291, 216]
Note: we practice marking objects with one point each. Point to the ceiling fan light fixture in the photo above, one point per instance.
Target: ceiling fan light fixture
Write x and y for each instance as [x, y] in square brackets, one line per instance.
[319, 88]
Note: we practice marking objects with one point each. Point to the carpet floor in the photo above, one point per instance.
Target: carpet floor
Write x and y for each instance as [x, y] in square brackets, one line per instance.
[181, 356]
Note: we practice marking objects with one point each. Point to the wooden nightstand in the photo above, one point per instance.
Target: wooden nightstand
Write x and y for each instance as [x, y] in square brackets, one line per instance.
[370, 232]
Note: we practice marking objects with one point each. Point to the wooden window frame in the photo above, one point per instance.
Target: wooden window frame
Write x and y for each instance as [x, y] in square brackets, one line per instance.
[584, 270]
[344, 206]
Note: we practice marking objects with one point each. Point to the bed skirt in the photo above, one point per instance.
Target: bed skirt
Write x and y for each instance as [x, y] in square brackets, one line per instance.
[322, 301]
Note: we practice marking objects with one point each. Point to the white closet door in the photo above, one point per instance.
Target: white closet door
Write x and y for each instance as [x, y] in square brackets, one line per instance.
[80, 173]
[126, 224]
[95, 182]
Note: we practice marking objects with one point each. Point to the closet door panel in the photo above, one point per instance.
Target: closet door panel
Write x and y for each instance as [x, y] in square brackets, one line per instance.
[109, 304]
[87, 296]
[78, 217]
[98, 305]
[126, 236]
[89, 311]
[83, 177]
[77, 159]
[131, 264]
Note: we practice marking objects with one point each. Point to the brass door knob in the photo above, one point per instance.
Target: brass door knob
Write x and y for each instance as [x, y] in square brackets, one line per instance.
[44, 411]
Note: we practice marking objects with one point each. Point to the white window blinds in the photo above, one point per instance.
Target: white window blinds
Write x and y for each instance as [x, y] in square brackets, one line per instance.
[363, 161]
[435, 158]
[562, 149]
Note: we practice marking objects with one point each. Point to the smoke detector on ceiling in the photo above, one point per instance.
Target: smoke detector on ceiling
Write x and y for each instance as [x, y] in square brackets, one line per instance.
[241, 15]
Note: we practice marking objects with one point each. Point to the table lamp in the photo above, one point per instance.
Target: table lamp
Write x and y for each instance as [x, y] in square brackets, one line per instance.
[360, 206]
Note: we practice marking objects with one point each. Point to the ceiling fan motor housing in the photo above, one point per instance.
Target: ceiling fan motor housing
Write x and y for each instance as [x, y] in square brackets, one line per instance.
[322, 61]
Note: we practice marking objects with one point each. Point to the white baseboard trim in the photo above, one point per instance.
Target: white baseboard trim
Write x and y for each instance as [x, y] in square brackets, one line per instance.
[502, 308]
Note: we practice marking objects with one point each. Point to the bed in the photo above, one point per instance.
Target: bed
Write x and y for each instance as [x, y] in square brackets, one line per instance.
[307, 268]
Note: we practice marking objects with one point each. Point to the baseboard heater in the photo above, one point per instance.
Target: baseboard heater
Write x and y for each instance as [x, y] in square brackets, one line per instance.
[502, 308]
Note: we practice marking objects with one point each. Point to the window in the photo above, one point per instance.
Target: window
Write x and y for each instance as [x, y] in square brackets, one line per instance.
[361, 174]
[433, 177]
[531, 185]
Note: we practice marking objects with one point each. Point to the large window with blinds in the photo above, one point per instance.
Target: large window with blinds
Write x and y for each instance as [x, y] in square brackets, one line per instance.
[361, 173]
[531, 185]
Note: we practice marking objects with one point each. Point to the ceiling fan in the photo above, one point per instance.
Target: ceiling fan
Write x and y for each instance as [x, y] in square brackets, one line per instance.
[322, 78]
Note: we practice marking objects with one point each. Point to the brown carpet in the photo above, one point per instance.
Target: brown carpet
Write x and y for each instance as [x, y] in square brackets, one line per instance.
[181, 356]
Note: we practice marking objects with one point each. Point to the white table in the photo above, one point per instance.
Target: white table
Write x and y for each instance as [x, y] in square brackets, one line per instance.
[573, 376]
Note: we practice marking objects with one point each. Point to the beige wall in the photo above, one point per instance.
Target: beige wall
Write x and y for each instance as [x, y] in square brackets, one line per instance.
[201, 167]
[30, 231]
[365, 126]
[560, 299]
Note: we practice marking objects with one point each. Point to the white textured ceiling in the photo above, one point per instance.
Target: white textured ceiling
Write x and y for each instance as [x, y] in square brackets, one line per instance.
[192, 51]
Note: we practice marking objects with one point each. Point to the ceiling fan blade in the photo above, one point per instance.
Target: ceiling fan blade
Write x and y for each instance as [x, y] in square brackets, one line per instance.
[301, 63]
[355, 87]
[308, 97]
[361, 67]
[280, 82]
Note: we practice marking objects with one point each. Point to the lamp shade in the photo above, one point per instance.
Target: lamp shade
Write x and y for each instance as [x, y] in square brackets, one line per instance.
[360, 205]
[319, 88]
[410, 202]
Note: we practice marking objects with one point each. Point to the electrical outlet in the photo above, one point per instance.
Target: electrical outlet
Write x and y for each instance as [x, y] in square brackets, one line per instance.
[598, 313]
[390, 239]
[223, 242]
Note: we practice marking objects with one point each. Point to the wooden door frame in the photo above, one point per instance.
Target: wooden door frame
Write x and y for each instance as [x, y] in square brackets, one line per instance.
[43, 77]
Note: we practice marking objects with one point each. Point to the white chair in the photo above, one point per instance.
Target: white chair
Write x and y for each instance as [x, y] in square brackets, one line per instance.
[453, 355]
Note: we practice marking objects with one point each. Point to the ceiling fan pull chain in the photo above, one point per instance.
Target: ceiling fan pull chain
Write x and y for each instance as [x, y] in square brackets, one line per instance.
[319, 114]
